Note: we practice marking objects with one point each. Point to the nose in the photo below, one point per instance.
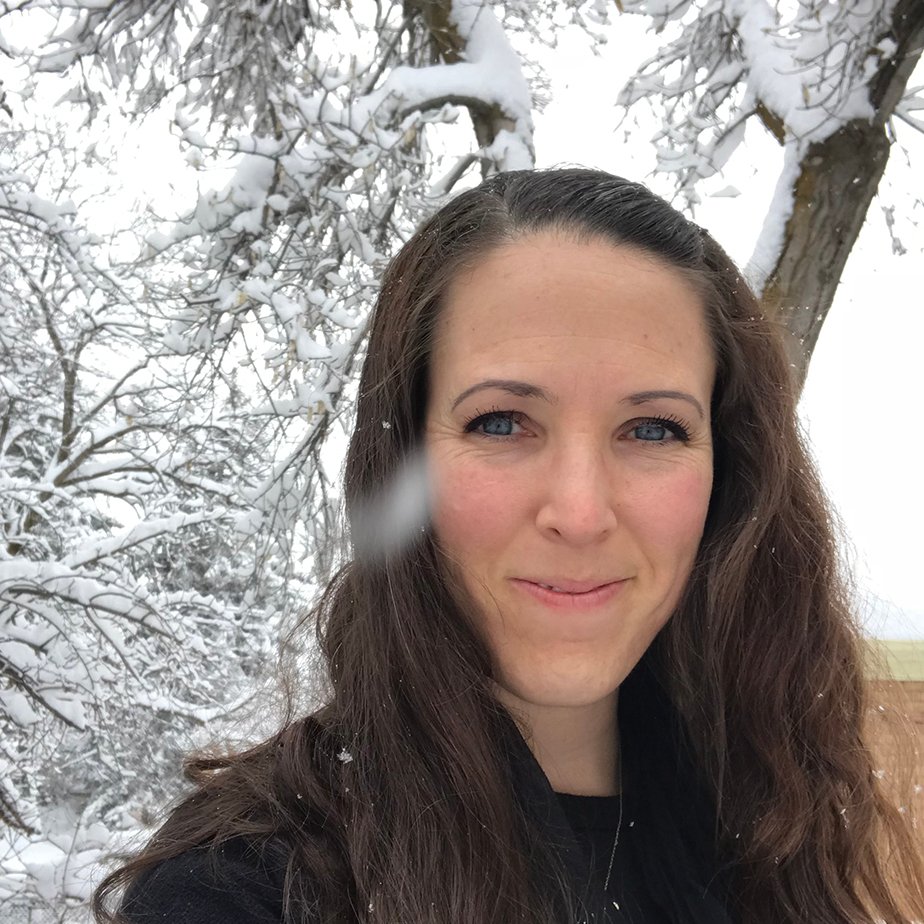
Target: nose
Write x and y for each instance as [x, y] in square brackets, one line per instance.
[578, 496]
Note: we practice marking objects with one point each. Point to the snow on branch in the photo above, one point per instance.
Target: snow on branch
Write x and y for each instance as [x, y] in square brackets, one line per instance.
[802, 69]
[280, 265]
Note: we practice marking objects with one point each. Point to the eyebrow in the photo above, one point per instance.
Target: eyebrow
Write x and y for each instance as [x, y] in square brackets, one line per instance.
[643, 397]
[512, 386]
[526, 390]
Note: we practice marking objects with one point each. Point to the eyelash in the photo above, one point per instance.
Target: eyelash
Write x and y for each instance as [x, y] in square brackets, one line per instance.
[674, 425]
[479, 417]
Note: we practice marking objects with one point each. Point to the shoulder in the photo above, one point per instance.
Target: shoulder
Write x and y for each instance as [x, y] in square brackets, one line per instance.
[237, 882]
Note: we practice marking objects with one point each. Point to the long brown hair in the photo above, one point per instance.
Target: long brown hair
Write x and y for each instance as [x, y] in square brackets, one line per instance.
[394, 802]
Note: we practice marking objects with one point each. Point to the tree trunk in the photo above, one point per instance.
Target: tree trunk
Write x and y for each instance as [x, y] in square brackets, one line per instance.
[837, 180]
[836, 184]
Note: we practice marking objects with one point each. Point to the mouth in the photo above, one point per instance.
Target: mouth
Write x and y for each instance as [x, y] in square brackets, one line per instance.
[565, 586]
[572, 594]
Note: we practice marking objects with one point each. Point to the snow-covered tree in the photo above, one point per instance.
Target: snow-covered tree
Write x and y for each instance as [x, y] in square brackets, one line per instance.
[827, 80]
[322, 109]
[131, 604]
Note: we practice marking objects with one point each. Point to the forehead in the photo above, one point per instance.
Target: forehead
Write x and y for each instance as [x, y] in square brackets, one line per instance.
[584, 303]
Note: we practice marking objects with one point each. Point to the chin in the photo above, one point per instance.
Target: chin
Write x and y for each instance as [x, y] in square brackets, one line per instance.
[558, 687]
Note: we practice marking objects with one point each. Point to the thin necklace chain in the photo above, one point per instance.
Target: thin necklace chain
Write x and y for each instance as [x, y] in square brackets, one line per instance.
[609, 869]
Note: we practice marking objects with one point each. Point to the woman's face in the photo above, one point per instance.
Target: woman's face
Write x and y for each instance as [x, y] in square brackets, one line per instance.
[569, 446]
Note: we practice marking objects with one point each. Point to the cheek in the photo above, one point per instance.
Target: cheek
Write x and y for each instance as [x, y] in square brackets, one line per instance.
[475, 508]
[673, 513]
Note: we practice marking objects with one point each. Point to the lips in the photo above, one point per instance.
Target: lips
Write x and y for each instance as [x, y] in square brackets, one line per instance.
[565, 586]
[570, 595]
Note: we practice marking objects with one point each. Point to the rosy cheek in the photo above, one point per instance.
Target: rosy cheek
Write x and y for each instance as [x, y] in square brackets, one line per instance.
[677, 508]
[472, 505]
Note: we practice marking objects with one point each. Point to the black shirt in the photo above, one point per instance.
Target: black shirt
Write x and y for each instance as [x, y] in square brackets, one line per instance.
[593, 821]
[241, 883]
[237, 882]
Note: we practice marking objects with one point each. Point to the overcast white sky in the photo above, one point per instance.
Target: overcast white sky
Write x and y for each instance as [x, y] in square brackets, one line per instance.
[867, 374]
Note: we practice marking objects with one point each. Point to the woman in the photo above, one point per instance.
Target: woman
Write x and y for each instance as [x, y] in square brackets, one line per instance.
[609, 673]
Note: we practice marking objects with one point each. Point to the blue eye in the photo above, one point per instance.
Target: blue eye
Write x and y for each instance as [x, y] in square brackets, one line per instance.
[494, 423]
[650, 431]
[660, 430]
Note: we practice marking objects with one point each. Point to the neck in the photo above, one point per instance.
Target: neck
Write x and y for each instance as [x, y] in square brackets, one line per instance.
[576, 746]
